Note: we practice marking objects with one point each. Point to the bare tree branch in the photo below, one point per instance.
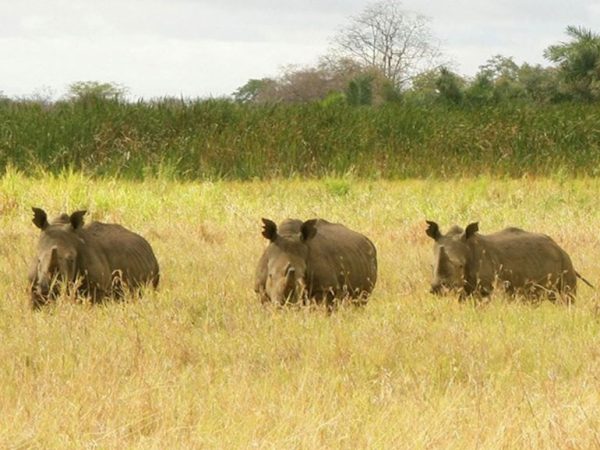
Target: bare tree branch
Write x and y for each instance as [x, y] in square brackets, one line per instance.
[394, 41]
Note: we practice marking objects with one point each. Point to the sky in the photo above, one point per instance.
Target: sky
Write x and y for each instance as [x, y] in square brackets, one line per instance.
[197, 48]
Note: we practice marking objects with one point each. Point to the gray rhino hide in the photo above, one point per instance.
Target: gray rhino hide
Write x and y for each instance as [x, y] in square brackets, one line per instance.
[108, 257]
[524, 263]
[339, 262]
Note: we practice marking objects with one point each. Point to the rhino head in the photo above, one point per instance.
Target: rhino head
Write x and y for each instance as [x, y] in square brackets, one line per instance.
[451, 255]
[55, 264]
[286, 262]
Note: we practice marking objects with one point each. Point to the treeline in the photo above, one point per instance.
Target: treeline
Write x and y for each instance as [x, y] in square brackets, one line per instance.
[575, 77]
[223, 139]
[499, 80]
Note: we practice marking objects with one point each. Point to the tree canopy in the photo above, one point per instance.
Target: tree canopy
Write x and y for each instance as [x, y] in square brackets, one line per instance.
[578, 62]
[395, 41]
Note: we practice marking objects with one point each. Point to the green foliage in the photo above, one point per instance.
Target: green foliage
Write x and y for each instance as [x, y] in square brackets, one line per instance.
[481, 90]
[578, 62]
[86, 90]
[218, 139]
[540, 83]
[423, 90]
[252, 90]
[450, 86]
[333, 99]
[499, 80]
[360, 90]
[500, 67]
[505, 75]
[390, 93]
[338, 187]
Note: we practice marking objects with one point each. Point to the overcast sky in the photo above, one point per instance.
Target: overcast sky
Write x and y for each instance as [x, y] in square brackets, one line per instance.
[196, 48]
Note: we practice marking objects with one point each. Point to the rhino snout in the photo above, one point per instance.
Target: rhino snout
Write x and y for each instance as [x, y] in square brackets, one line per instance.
[39, 295]
[290, 288]
[42, 288]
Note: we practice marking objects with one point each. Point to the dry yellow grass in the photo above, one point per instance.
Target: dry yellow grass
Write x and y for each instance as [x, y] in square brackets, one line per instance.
[201, 364]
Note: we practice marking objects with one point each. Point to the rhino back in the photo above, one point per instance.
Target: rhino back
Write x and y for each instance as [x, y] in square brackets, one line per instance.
[519, 256]
[341, 259]
[111, 247]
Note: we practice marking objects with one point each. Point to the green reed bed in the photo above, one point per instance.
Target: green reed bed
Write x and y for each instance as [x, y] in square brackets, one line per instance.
[217, 139]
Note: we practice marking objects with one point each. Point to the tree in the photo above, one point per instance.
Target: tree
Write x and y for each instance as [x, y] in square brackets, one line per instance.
[86, 90]
[301, 84]
[252, 90]
[395, 41]
[306, 84]
[435, 86]
[578, 62]
[360, 91]
[503, 74]
[423, 87]
[450, 86]
[480, 90]
[500, 67]
[540, 83]
[498, 80]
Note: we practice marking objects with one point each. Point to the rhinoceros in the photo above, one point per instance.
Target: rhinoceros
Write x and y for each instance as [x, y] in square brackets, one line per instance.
[523, 263]
[98, 260]
[316, 261]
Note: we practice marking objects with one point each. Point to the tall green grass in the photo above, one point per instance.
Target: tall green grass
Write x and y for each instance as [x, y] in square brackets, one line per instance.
[216, 139]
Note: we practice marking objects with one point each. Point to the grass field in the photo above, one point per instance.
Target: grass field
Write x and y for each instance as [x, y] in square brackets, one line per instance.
[201, 364]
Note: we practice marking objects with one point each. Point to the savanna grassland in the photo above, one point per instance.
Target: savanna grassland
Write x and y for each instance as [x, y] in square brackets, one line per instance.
[201, 364]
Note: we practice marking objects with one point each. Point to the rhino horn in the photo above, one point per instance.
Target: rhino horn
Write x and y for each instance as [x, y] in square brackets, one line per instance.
[443, 254]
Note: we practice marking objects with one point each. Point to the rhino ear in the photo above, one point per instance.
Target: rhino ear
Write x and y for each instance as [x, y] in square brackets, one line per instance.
[433, 231]
[308, 230]
[40, 219]
[76, 219]
[471, 229]
[269, 229]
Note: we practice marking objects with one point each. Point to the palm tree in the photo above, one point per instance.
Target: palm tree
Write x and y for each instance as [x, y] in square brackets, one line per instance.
[578, 62]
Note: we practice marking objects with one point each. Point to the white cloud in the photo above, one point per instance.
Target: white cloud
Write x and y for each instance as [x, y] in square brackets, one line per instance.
[148, 66]
[202, 48]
